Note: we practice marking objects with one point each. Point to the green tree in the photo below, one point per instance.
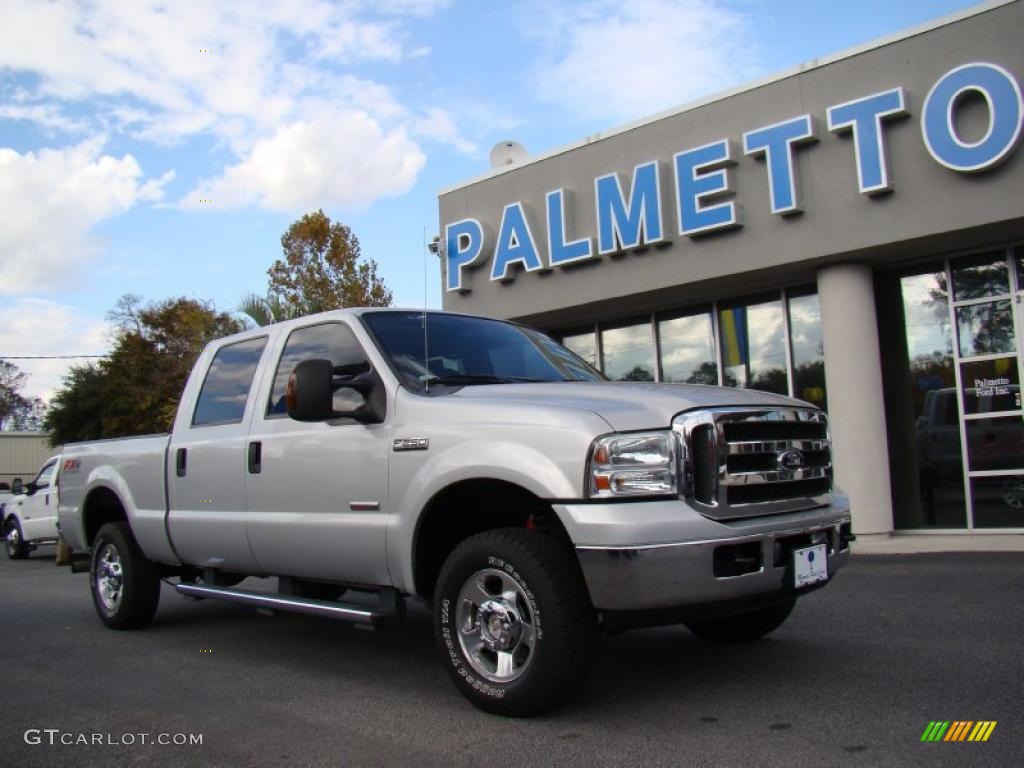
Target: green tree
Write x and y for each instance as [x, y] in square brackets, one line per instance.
[136, 390]
[76, 410]
[322, 269]
[12, 379]
[17, 412]
[269, 309]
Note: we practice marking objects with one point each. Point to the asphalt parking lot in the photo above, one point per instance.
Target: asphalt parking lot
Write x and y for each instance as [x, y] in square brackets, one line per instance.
[852, 679]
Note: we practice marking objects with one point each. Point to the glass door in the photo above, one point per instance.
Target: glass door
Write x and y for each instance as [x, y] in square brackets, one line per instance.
[922, 403]
[952, 356]
[985, 313]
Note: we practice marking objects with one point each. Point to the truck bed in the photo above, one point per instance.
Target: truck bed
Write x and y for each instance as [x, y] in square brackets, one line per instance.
[132, 467]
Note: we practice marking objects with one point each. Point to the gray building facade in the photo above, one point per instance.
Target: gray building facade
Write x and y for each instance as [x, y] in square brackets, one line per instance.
[22, 455]
[850, 233]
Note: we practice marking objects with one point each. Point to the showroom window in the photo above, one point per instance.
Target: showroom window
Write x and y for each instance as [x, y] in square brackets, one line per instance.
[627, 351]
[583, 344]
[753, 338]
[808, 347]
[771, 342]
[688, 349]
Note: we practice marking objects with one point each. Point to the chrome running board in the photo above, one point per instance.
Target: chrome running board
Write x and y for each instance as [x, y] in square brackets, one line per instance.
[275, 602]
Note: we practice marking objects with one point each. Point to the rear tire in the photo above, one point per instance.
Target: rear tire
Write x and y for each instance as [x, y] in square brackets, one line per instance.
[125, 585]
[492, 594]
[14, 541]
[744, 627]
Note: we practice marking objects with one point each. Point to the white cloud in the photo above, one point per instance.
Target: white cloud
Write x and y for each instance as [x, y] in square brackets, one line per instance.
[343, 159]
[182, 67]
[51, 199]
[439, 125]
[32, 326]
[412, 7]
[622, 61]
[48, 116]
[182, 55]
[270, 80]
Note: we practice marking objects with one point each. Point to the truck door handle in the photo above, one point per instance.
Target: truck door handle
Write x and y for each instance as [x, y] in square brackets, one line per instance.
[255, 457]
[180, 459]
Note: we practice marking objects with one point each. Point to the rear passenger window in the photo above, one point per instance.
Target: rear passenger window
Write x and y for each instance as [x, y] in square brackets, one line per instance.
[328, 341]
[226, 387]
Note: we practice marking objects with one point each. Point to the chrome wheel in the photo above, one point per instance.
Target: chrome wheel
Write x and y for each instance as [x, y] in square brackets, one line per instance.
[13, 540]
[109, 577]
[496, 626]
[513, 620]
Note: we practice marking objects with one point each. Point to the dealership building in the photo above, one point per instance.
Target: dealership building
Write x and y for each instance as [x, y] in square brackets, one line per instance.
[850, 233]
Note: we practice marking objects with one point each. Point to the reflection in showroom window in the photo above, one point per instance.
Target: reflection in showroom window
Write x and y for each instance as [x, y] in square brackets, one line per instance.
[628, 352]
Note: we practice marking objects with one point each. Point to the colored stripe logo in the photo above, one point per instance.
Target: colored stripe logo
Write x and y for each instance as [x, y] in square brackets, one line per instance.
[959, 730]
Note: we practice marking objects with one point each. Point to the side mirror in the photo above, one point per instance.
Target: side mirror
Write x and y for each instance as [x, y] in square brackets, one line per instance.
[313, 384]
[309, 395]
[17, 486]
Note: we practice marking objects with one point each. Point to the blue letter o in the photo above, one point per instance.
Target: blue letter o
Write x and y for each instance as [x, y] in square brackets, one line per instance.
[1000, 91]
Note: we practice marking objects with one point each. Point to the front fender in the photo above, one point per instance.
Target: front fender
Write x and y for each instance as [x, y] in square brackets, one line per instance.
[11, 513]
[417, 478]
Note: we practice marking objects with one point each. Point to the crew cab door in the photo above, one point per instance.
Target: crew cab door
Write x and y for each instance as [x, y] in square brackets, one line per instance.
[206, 461]
[38, 509]
[317, 491]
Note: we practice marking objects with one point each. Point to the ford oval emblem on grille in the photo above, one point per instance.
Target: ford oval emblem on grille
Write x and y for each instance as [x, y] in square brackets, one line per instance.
[791, 459]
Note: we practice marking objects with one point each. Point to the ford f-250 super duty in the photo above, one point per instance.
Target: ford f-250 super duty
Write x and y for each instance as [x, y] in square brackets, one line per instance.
[476, 465]
[29, 517]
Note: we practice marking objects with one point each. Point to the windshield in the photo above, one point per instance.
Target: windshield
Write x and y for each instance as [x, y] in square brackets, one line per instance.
[457, 350]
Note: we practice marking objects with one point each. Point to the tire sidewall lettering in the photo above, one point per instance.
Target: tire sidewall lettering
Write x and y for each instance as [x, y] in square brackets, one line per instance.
[453, 649]
[498, 562]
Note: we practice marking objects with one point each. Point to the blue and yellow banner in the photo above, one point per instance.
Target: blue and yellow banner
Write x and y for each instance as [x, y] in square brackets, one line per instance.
[734, 336]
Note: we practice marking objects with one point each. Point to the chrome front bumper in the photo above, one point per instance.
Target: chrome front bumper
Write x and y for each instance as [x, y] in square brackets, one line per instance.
[676, 574]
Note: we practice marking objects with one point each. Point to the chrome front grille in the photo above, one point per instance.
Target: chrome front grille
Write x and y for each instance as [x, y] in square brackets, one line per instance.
[743, 462]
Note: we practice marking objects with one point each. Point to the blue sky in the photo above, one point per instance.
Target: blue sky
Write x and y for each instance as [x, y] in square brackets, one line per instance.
[119, 120]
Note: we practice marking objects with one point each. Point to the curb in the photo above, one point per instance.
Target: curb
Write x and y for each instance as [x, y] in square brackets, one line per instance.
[915, 544]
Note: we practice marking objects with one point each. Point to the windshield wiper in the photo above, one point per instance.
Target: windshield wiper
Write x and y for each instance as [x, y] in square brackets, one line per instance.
[480, 378]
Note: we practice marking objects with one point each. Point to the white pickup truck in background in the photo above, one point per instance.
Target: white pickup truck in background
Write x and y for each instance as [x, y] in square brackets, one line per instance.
[30, 517]
[475, 465]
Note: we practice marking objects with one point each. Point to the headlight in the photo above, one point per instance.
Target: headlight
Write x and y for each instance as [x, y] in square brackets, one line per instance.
[639, 464]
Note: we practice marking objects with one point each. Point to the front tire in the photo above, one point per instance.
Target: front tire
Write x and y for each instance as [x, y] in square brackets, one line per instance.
[14, 541]
[513, 621]
[125, 585]
[744, 627]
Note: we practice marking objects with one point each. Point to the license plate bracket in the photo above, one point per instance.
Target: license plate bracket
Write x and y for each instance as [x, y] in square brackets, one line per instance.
[810, 565]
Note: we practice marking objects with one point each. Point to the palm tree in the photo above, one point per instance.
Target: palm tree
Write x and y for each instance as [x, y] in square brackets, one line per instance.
[269, 309]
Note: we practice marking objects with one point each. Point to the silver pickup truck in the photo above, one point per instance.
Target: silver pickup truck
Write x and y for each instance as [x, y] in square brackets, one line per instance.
[367, 457]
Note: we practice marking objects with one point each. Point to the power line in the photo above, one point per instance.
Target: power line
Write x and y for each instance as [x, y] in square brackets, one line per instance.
[49, 357]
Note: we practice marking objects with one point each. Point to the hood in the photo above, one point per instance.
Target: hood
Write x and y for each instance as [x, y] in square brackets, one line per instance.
[625, 405]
